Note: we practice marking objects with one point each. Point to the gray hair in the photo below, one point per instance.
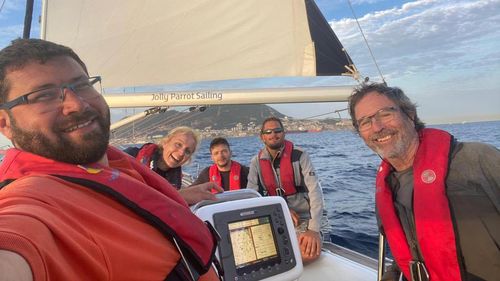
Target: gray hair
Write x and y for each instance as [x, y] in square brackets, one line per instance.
[393, 93]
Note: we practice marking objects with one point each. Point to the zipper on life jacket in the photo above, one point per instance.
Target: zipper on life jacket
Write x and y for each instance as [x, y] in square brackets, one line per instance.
[280, 191]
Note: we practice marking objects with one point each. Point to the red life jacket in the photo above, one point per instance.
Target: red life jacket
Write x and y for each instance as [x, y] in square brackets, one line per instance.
[146, 153]
[156, 201]
[234, 176]
[145, 156]
[434, 226]
[287, 178]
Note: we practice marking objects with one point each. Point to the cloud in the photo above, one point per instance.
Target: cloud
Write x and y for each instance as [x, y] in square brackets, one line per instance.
[424, 35]
[12, 19]
[8, 33]
[12, 7]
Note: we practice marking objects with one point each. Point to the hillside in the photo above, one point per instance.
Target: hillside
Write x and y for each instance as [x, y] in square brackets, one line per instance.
[213, 117]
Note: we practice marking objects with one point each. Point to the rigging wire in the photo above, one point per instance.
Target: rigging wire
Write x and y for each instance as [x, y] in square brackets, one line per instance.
[314, 116]
[323, 114]
[147, 126]
[1, 7]
[366, 42]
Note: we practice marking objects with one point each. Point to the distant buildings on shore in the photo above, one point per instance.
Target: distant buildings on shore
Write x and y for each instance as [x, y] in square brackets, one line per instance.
[252, 129]
[291, 126]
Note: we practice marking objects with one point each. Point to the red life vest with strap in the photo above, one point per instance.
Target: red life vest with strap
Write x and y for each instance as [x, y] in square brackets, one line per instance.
[146, 153]
[287, 178]
[153, 199]
[234, 176]
[146, 156]
[434, 226]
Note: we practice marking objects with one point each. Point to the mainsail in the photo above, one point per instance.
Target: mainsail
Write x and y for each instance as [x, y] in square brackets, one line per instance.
[169, 52]
[141, 45]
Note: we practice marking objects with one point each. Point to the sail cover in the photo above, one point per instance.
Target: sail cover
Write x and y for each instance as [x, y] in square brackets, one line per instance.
[156, 42]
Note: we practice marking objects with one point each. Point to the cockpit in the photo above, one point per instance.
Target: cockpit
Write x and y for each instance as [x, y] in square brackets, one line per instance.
[258, 240]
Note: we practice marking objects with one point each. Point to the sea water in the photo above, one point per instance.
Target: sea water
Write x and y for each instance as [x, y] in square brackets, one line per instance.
[346, 169]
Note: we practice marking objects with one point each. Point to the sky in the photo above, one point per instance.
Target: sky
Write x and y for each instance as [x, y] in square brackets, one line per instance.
[445, 55]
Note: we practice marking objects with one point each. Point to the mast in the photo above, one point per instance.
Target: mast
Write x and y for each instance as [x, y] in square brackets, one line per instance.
[28, 16]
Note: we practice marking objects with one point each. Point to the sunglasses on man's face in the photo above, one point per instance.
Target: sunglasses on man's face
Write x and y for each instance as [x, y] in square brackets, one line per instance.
[270, 131]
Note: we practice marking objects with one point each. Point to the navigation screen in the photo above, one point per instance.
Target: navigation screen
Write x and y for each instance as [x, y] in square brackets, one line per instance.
[252, 241]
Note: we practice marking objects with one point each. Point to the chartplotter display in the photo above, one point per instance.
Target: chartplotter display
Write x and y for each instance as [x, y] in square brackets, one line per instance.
[255, 242]
[252, 241]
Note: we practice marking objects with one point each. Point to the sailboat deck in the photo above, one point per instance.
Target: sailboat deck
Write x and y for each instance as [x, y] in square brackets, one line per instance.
[337, 263]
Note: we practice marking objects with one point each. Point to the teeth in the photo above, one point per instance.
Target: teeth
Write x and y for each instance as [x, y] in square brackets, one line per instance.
[71, 129]
[384, 138]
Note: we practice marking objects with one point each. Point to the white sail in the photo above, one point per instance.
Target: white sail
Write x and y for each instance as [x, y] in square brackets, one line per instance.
[137, 43]
[148, 43]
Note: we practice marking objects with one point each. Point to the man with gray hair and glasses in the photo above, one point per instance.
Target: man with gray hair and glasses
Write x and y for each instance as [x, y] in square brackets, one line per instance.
[437, 199]
[72, 207]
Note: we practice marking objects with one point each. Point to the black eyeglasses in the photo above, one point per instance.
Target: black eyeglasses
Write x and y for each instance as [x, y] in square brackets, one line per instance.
[53, 96]
[384, 115]
[270, 131]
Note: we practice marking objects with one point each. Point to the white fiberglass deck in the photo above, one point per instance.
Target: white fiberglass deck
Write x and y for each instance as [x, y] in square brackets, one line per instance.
[340, 264]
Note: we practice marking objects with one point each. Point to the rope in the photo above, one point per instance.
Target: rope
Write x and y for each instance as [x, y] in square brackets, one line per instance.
[366, 42]
[335, 111]
[1, 7]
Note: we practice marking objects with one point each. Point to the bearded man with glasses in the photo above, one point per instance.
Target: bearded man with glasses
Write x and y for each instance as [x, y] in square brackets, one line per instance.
[437, 199]
[282, 169]
[72, 207]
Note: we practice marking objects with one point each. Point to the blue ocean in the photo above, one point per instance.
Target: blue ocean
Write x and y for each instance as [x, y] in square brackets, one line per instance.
[346, 168]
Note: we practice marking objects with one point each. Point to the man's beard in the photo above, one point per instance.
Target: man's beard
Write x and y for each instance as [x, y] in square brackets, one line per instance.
[225, 165]
[401, 145]
[275, 146]
[91, 147]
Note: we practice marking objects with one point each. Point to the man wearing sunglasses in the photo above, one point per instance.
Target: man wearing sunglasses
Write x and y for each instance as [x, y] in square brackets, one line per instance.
[281, 169]
[437, 199]
[72, 207]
